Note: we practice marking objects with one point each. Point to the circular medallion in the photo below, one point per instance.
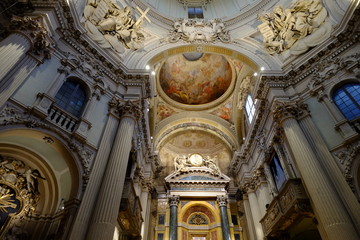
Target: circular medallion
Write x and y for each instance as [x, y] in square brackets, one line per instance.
[196, 159]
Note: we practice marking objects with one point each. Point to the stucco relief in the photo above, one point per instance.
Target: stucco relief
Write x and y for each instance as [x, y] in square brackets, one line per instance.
[298, 28]
[114, 27]
[199, 31]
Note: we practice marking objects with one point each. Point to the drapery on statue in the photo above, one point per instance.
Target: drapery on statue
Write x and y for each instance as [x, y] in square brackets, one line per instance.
[112, 26]
[297, 28]
[182, 163]
[210, 163]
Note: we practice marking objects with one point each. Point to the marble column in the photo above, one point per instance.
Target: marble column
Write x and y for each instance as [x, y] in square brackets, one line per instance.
[334, 174]
[249, 218]
[225, 227]
[17, 62]
[106, 211]
[173, 202]
[326, 202]
[81, 223]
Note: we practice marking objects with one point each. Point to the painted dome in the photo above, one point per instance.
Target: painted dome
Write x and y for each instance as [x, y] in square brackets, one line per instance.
[196, 81]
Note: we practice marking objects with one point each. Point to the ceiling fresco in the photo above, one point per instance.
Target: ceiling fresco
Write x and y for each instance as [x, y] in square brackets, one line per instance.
[195, 82]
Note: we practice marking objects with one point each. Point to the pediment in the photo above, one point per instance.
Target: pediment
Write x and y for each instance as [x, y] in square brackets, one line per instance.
[197, 177]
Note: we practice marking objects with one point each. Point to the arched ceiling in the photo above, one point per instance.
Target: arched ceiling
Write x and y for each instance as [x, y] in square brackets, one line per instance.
[189, 141]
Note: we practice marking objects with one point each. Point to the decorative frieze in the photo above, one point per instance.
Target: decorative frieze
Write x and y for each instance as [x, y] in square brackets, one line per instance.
[199, 31]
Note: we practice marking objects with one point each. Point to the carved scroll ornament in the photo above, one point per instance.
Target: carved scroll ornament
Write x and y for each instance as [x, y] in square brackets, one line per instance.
[297, 28]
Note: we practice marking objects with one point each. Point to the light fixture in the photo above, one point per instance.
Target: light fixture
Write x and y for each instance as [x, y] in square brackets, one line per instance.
[262, 68]
[255, 74]
[153, 73]
[147, 67]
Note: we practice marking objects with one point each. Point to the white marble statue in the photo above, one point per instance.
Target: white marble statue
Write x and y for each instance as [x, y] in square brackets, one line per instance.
[298, 28]
[112, 26]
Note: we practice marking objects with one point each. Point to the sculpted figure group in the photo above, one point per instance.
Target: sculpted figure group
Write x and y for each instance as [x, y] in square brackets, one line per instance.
[112, 26]
[300, 27]
[182, 164]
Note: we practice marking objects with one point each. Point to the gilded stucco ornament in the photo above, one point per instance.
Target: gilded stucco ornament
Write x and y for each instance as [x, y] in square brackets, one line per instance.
[114, 27]
[199, 31]
[19, 191]
[298, 28]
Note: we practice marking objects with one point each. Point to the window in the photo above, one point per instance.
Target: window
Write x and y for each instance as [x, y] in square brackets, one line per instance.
[277, 172]
[195, 12]
[71, 97]
[161, 219]
[347, 99]
[160, 236]
[250, 108]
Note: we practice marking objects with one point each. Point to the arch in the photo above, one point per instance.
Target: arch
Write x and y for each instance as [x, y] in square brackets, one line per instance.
[46, 152]
[199, 206]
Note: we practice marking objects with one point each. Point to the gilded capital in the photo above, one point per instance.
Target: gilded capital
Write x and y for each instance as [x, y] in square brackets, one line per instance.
[284, 110]
[33, 29]
[174, 200]
[222, 200]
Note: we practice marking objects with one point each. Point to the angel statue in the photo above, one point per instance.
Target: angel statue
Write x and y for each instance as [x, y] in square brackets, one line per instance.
[31, 177]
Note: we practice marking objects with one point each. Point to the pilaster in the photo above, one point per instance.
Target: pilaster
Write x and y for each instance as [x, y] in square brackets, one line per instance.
[104, 219]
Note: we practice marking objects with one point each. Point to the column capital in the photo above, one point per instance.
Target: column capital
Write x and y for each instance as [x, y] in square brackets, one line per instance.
[33, 29]
[131, 109]
[174, 200]
[285, 110]
[222, 200]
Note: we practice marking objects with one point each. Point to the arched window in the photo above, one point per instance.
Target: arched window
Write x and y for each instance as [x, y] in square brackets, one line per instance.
[71, 97]
[250, 108]
[347, 99]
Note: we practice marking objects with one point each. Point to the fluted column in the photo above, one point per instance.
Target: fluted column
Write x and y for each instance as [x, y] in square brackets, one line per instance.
[256, 214]
[173, 202]
[225, 227]
[16, 62]
[249, 218]
[328, 163]
[106, 211]
[328, 207]
[89, 199]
